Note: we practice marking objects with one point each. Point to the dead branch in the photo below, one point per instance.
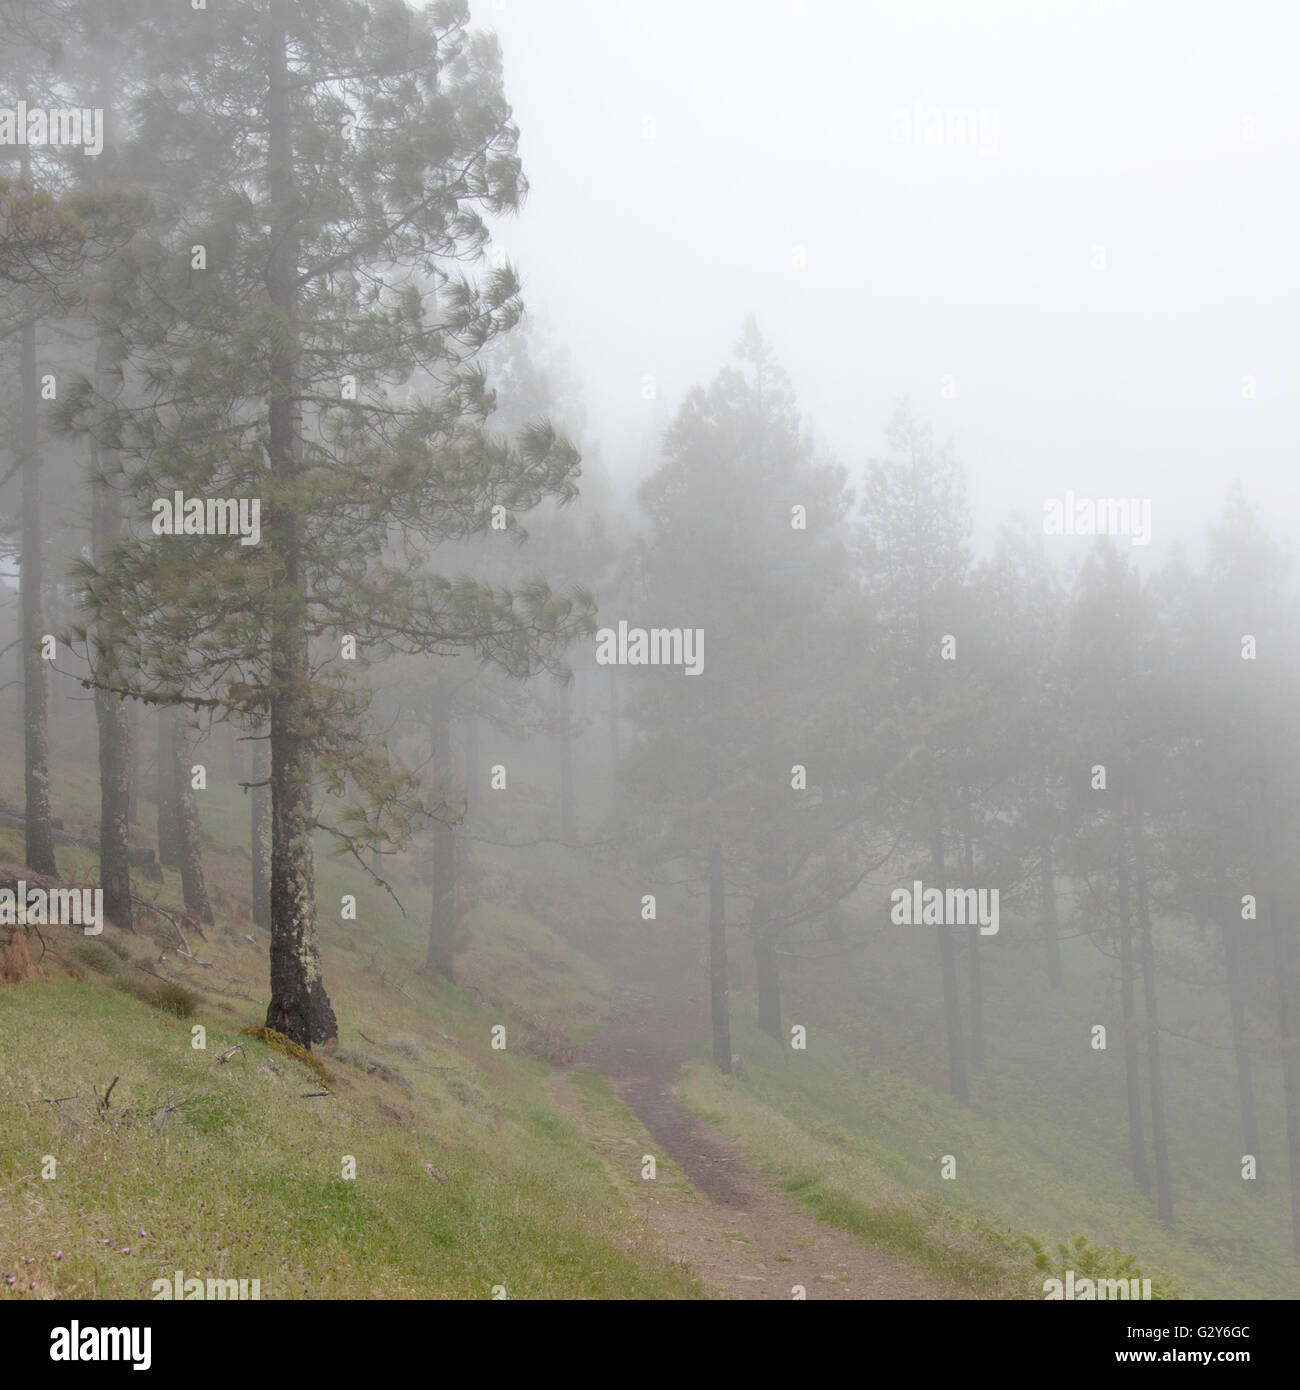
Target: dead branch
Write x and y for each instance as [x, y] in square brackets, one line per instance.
[170, 917]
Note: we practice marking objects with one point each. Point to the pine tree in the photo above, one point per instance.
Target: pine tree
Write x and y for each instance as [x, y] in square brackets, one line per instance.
[326, 171]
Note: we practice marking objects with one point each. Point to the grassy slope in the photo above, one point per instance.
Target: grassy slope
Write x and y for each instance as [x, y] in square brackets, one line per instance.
[245, 1180]
[856, 1125]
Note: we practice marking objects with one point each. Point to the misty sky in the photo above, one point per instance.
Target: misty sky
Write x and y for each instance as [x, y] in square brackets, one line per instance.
[1164, 134]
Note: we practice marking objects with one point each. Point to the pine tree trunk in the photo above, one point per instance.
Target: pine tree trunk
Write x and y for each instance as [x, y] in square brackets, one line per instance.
[1155, 1073]
[472, 790]
[973, 939]
[615, 752]
[568, 819]
[1047, 890]
[767, 970]
[193, 887]
[1237, 1010]
[39, 848]
[442, 923]
[1284, 974]
[1133, 1082]
[948, 971]
[111, 714]
[718, 962]
[133, 762]
[299, 1006]
[169, 824]
[261, 828]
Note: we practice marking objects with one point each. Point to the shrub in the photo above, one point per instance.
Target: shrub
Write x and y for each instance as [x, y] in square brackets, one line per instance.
[161, 994]
[97, 955]
[372, 1066]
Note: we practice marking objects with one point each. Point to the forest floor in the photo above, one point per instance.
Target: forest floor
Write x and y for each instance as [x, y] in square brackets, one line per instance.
[727, 1221]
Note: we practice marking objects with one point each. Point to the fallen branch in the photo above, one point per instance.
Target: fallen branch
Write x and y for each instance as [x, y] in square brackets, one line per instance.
[308, 1095]
[103, 1104]
[228, 1053]
[170, 917]
[155, 974]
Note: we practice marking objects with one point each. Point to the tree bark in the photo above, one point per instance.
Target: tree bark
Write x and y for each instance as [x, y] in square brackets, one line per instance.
[1047, 890]
[1237, 1009]
[442, 923]
[39, 846]
[261, 828]
[767, 969]
[568, 819]
[1284, 974]
[169, 825]
[193, 887]
[948, 971]
[1133, 1083]
[615, 752]
[718, 992]
[299, 1006]
[133, 762]
[973, 939]
[471, 765]
[1155, 1073]
[112, 717]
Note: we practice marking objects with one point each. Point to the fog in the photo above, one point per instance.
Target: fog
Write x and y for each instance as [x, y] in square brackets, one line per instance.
[650, 652]
[1156, 132]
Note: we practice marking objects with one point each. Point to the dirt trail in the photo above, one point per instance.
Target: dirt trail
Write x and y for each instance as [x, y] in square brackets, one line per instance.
[742, 1236]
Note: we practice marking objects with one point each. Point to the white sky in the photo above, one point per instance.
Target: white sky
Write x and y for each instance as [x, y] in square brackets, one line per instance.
[1165, 133]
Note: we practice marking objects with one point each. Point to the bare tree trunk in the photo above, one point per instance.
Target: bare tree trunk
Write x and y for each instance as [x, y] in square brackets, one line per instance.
[1284, 974]
[615, 752]
[299, 1006]
[442, 923]
[973, 939]
[1132, 1079]
[948, 971]
[261, 828]
[1155, 1074]
[169, 824]
[718, 961]
[472, 790]
[1047, 890]
[1237, 1009]
[39, 847]
[568, 819]
[111, 714]
[767, 968]
[133, 762]
[193, 887]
